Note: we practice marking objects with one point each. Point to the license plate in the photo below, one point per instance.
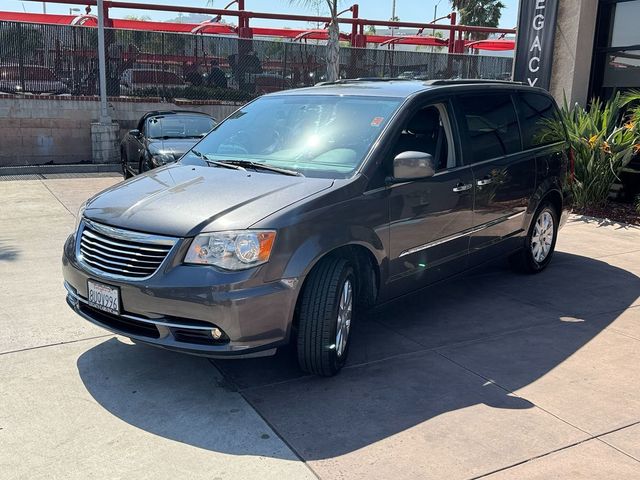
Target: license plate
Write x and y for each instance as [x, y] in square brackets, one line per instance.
[104, 297]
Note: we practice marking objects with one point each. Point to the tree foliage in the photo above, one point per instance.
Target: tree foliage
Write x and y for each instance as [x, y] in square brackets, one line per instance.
[333, 44]
[481, 13]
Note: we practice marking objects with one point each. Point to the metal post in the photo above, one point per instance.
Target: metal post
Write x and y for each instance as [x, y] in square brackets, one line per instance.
[102, 67]
[393, 14]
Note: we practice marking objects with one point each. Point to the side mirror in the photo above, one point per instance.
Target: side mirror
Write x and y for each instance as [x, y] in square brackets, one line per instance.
[135, 133]
[412, 166]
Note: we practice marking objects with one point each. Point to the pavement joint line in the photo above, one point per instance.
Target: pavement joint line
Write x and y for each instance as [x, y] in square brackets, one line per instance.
[509, 391]
[575, 444]
[57, 344]
[56, 197]
[266, 421]
[619, 449]
[617, 254]
[624, 334]
[590, 435]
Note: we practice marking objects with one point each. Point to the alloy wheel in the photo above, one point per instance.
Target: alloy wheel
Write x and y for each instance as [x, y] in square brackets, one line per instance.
[542, 237]
[343, 323]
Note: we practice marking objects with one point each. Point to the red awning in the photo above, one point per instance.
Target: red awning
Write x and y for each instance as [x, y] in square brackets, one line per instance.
[37, 18]
[91, 21]
[423, 40]
[496, 45]
[311, 34]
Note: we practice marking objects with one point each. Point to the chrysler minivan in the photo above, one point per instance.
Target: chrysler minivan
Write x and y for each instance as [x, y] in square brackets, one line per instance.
[306, 207]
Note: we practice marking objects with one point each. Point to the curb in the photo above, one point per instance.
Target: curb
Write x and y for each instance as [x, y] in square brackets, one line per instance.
[72, 168]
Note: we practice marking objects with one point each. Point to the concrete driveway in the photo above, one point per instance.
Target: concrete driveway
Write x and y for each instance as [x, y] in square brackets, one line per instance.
[493, 375]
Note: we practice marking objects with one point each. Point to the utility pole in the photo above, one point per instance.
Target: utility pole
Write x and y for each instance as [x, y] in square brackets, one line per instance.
[435, 16]
[102, 66]
[393, 14]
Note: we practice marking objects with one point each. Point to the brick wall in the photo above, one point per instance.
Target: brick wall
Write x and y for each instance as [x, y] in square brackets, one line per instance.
[57, 130]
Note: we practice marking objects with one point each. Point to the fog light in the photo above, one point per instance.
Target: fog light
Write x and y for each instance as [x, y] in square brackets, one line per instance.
[216, 333]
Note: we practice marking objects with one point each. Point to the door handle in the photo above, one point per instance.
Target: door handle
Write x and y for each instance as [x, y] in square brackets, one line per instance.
[462, 187]
[484, 181]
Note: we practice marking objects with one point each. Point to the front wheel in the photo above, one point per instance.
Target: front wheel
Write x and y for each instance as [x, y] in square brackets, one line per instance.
[125, 170]
[540, 242]
[324, 318]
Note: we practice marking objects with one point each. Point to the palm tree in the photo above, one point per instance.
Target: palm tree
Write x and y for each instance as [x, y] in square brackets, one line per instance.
[483, 13]
[333, 44]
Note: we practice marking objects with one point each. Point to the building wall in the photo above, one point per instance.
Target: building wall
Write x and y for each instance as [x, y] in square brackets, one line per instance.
[36, 131]
[573, 49]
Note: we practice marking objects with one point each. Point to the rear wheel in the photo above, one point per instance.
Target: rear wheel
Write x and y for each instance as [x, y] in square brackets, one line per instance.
[325, 316]
[540, 242]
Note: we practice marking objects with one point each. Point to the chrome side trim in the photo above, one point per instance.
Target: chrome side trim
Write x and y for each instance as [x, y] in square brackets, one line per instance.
[461, 234]
[78, 299]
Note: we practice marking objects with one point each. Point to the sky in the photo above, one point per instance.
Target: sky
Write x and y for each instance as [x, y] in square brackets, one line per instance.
[407, 10]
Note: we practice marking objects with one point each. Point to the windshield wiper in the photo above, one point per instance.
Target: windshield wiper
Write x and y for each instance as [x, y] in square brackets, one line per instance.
[259, 166]
[216, 162]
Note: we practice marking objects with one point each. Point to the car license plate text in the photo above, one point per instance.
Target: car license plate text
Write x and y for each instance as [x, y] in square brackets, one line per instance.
[103, 297]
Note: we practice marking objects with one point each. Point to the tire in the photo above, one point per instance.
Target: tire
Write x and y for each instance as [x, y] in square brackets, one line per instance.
[540, 242]
[144, 166]
[322, 346]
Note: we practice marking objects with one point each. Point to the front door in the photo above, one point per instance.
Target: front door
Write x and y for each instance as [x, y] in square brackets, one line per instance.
[429, 217]
[504, 175]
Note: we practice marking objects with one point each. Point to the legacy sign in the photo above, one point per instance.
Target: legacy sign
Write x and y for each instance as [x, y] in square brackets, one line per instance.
[534, 49]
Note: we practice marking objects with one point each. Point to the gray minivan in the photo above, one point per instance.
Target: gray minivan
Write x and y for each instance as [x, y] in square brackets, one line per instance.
[305, 207]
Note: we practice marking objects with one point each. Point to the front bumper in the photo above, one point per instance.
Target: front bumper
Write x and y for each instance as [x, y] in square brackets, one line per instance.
[178, 306]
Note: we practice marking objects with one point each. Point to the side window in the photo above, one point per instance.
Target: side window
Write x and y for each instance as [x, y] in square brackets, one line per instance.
[491, 124]
[428, 131]
[539, 120]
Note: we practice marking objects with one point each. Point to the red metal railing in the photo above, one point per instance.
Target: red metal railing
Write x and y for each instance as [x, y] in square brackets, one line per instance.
[357, 37]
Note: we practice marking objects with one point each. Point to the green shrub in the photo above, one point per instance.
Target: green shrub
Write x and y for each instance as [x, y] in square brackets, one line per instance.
[604, 139]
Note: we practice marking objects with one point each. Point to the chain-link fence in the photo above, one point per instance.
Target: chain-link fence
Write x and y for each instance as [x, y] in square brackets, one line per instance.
[62, 59]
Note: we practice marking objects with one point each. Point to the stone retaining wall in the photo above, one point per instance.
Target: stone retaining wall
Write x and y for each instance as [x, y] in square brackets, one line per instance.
[57, 130]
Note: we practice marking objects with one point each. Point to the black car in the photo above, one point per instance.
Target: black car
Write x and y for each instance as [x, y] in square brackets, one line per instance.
[305, 207]
[162, 138]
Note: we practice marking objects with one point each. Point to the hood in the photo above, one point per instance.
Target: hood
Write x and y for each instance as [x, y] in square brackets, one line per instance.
[184, 200]
[173, 146]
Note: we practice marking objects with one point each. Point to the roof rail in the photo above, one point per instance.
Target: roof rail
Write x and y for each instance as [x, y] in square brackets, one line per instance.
[365, 79]
[467, 81]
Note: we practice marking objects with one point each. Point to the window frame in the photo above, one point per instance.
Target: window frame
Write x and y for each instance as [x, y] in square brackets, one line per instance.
[518, 103]
[467, 150]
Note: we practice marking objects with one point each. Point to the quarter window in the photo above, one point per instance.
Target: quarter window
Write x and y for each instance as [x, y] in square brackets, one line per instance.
[539, 120]
[492, 126]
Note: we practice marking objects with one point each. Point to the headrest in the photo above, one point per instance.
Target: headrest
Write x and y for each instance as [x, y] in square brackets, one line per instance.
[426, 121]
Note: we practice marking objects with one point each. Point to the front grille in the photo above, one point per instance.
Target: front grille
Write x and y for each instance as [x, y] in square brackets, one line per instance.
[122, 253]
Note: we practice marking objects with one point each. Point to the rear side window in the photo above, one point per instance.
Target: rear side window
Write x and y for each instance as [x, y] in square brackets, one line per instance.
[491, 124]
[539, 120]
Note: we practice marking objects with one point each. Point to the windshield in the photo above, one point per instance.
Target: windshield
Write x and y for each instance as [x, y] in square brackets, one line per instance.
[179, 126]
[316, 135]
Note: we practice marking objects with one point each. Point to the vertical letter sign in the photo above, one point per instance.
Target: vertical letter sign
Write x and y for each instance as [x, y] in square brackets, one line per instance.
[534, 50]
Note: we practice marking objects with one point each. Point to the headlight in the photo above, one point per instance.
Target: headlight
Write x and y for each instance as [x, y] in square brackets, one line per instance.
[162, 158]
[79, 216]
[235, 250]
